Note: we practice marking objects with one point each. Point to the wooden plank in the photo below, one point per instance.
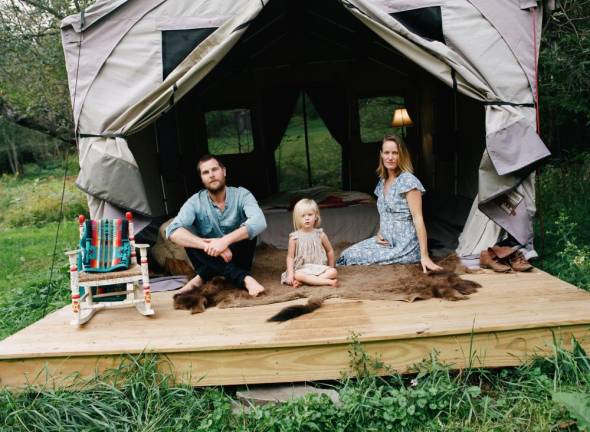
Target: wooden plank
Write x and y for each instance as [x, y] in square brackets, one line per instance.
[539, 300]
[319, 362]
[508, 316]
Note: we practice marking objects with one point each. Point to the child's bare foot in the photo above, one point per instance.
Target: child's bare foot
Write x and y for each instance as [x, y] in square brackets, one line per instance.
[192, 284]
[253, 287]
[334, 283]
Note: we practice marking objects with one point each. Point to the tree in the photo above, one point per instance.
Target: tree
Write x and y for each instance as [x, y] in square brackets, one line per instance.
[33, 82]
[564, 81]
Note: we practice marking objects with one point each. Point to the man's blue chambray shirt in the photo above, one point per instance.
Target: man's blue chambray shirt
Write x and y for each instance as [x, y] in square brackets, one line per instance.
[204, 219]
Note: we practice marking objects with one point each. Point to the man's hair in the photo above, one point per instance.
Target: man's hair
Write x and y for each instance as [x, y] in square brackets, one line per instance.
[206, 158]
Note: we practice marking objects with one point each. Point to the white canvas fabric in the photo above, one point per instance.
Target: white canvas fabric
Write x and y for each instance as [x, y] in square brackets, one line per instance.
[115, 74]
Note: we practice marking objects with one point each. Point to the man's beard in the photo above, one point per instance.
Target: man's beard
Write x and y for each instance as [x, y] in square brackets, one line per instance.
[218, 188]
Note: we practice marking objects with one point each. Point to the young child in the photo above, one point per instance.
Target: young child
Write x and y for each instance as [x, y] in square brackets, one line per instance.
[310, 258]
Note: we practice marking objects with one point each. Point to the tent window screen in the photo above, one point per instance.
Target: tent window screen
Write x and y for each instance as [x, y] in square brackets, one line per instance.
[177, 44]
[425, 22]
[229, 131]
[376, 115]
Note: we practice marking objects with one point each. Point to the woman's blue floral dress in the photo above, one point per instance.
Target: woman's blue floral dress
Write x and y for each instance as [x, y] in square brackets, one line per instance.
[396, 226]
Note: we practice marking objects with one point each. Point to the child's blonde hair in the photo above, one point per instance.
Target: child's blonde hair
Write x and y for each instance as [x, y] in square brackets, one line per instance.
[302, 206]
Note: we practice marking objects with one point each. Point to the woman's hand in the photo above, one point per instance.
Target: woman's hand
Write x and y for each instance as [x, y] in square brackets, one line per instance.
[428, 264]
[381, 240]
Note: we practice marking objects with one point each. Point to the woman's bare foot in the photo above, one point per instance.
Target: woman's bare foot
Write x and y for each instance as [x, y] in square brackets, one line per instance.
[252, 285]
[333, 283]
[192, 284]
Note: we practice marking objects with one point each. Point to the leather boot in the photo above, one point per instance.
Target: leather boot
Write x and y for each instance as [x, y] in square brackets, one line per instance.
[489, 259]
[518, 262]
[503, 252]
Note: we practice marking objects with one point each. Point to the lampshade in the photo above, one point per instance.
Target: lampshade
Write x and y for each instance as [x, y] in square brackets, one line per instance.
[401, 118]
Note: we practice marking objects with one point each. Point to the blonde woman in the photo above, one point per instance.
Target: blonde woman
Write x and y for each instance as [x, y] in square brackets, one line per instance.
[310, 258]
[402, 234]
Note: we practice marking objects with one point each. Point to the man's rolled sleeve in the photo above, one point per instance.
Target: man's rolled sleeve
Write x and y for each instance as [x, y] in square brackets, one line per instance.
[184, 219]
[255, 221]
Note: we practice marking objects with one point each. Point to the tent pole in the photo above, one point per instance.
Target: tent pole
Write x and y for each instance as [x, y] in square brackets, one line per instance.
[455, 136]
[305, 133]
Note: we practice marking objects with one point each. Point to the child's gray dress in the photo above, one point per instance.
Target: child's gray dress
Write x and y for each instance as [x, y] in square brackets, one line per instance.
[310, 255]
[396, 226]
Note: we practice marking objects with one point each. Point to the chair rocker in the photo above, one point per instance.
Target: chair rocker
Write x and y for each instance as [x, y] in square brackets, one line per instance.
[107, 257]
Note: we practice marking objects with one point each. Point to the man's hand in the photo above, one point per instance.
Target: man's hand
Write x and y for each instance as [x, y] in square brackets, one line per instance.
[226, 255]
[215, 247]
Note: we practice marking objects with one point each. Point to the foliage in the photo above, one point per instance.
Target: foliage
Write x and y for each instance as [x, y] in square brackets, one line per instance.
[578, 405]
[325, 156]
[33, 85]
[35, 198]
[141, 394]
[564, 76]
[376, 115]
[565, 246]
[19, 145]
[25, 262]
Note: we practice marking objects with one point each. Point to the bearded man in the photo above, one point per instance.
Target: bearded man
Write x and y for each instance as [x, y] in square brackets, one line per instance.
[218, 227]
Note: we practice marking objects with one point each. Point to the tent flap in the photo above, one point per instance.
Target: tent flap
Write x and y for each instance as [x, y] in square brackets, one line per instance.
[514, 210]
[515, 147]
[92, 14]
[107, 173]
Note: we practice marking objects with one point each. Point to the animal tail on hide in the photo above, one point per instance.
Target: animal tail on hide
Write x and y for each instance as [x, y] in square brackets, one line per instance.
[295, 311]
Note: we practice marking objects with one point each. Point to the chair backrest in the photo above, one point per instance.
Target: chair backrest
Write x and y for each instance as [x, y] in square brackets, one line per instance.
[105, 245]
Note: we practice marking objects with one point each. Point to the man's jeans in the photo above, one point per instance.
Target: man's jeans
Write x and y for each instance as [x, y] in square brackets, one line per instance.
[234, 271]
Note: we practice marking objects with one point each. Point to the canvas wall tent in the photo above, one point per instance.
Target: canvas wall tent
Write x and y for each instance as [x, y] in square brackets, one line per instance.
[143, 73]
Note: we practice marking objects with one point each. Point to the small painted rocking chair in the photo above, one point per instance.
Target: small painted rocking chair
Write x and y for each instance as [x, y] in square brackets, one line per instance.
[107, 257]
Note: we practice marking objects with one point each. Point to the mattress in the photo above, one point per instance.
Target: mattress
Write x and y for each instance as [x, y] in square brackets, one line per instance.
[342, 225]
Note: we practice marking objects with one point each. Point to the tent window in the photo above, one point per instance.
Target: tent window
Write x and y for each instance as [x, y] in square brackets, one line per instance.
[229, 131]
[425, 22]
[376, 115]
[291, 156]
[177, 44]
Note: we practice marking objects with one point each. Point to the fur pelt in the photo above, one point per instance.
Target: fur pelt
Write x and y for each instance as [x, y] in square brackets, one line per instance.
[209, 294]
[396, 282]
[295, 311]
[442, 284]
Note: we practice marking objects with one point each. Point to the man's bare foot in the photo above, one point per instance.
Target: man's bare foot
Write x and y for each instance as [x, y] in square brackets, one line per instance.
[192, 284]
[334, 283]
[252, 285]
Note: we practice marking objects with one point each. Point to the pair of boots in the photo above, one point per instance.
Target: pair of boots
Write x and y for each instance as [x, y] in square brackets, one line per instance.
[502, 259]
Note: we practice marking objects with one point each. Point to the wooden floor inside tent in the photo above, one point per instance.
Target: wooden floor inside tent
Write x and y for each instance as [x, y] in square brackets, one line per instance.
[511, 318]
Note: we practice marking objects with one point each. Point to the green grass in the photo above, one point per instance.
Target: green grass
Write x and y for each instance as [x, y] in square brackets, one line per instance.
[25, 261]
[35, 197]
[28, 222]
[141, 395]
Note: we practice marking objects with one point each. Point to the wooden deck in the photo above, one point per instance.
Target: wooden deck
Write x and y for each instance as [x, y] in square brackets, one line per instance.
[511, 318]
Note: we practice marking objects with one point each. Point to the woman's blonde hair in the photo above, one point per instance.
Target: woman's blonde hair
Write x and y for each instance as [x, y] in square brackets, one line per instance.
[404, 163]
[302, 206]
